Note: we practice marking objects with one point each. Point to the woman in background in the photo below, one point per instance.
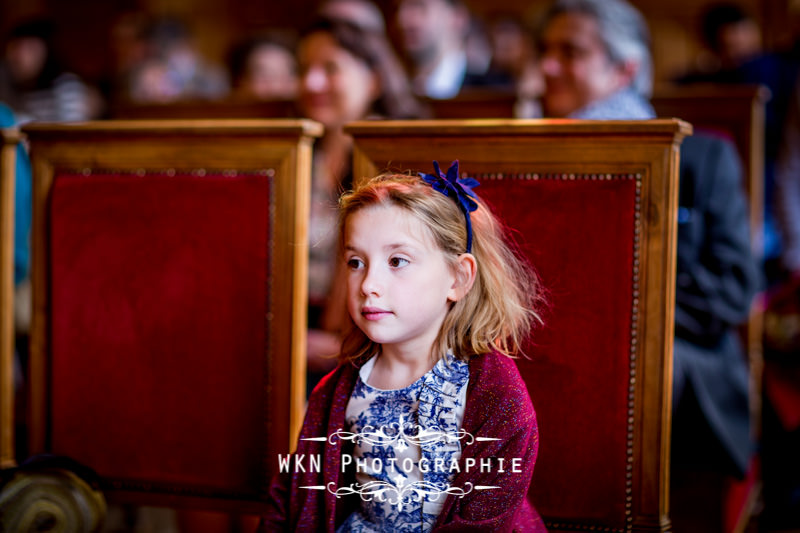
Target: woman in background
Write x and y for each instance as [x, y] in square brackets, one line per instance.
[347, 73]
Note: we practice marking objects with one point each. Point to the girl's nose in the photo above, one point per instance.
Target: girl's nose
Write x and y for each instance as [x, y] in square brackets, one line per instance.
[371, 284]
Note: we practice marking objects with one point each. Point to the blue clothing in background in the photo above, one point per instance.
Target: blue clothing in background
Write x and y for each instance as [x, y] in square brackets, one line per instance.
[23, 203]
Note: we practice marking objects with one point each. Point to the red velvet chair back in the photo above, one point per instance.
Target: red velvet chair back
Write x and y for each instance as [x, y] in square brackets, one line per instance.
[593, 206]
[169, 279]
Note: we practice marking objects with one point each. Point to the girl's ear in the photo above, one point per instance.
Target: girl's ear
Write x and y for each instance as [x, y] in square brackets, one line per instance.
[466, 270]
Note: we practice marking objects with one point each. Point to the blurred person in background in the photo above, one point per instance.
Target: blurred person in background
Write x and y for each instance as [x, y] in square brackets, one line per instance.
[264, 68]
[127, 42]
[174, 68]
[734, 39]
[433, 35]
[513, 50]
[478, 46]
[346, 74]
[593, 67]
[732, 36]
[35, 83]
[363, 13]
[514, 55]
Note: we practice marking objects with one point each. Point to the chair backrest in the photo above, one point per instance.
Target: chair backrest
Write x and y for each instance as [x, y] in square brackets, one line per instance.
[169, 303]
[593, 205]
[474, 103]
[10, 139]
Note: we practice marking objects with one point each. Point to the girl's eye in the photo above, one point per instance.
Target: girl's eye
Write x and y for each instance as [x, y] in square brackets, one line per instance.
[354, 263]
[397, 262]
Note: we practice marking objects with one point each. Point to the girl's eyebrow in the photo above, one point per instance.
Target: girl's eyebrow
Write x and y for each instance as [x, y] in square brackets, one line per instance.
[395, 246]
[388, 247]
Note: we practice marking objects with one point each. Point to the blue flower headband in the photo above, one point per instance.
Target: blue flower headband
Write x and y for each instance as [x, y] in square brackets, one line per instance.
[460, 190]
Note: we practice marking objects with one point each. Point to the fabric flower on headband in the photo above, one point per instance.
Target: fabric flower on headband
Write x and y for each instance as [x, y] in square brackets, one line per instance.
[460, 190]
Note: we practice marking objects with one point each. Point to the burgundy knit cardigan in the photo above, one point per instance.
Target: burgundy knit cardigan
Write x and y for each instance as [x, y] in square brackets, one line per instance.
[498, 406]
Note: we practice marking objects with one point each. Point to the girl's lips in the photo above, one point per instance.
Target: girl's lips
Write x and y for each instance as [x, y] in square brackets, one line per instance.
[374, 313]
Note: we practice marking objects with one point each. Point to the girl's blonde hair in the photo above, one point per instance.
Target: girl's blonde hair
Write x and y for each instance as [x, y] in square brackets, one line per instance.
[502, 306]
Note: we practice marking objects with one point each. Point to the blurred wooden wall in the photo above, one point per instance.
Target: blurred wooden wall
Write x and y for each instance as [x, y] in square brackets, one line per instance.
[84, 25]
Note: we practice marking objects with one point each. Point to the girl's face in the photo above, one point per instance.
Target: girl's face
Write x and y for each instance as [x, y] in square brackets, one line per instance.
[335, 86]
[399, 284]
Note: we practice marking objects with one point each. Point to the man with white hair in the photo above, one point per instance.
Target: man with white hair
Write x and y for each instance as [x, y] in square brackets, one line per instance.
[595, 58]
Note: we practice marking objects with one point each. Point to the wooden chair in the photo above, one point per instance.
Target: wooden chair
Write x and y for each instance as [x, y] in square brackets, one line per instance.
[10, 140]
[593, 205]
[169, 286]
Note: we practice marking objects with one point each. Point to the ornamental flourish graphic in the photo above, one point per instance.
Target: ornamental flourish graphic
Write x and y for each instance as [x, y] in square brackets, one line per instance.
[402, 493]
[396, 432]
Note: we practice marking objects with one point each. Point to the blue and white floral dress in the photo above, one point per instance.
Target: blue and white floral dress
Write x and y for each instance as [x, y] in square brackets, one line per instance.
[406, 447]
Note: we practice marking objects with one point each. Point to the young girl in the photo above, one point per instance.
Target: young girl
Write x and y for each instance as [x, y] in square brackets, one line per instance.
[426, 423]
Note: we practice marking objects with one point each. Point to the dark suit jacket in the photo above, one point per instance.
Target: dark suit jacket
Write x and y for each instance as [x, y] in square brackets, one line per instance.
[717, 278]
